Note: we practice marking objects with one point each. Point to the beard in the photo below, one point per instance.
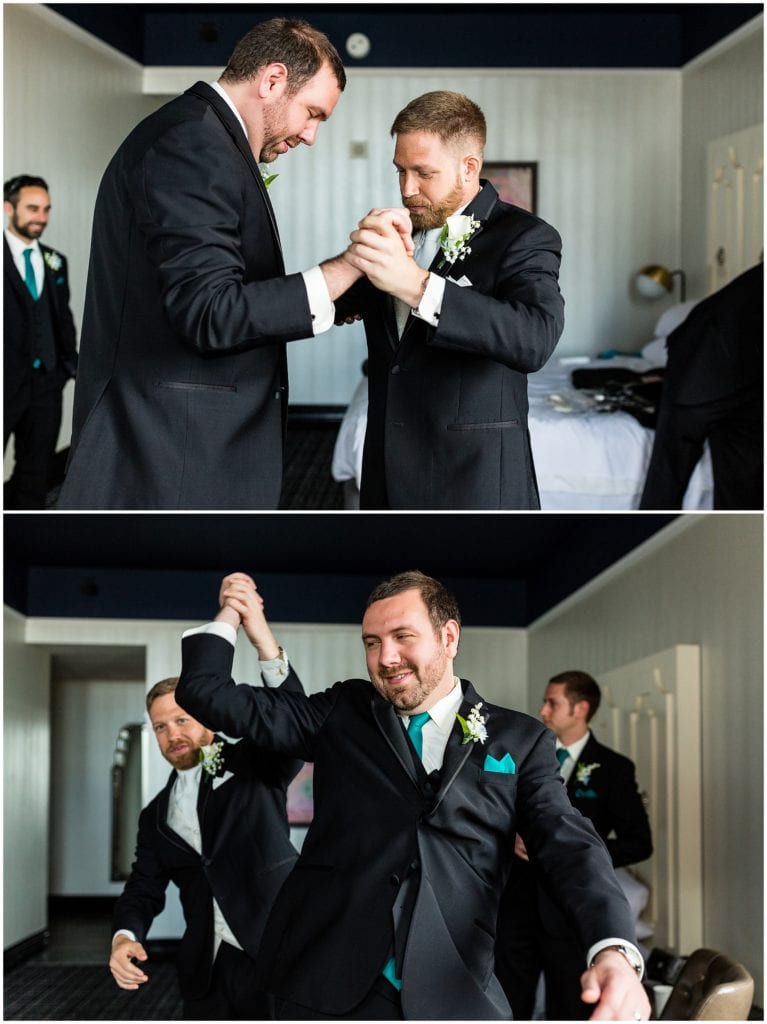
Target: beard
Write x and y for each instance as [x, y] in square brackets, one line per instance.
[28, 230]
[183, 761]
[424, 682]
[274, 131]
[437, 213]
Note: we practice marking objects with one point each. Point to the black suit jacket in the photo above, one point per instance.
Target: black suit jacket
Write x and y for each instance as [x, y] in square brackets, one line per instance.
[182, 392]
[610, 799]
[246, 856]
[447, 407]
[718, 350]
[379, 819]
[17, 337]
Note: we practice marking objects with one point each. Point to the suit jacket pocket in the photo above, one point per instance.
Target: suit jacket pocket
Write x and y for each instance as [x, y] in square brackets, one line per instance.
[182, 385]
[492, 425]
[497, 778]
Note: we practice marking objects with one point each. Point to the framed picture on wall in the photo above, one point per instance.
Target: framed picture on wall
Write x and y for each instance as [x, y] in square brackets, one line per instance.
[301, 797]
[516, 182]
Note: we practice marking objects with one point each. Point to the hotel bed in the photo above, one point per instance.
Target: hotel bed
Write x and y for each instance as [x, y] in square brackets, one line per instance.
[585, 458]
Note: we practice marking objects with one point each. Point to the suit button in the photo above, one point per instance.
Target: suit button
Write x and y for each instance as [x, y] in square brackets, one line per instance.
[394, 879]
[415, 865]
[206, 862]
[395, 369]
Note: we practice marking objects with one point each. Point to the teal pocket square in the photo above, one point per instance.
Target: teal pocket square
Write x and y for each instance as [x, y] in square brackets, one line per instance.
[587, 794]
[505, 765]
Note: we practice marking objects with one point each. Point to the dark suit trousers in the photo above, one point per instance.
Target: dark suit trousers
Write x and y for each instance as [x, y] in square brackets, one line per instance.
[381, 1003]
[35, 429]
[232, 994]
[733, 428]
[524, 948]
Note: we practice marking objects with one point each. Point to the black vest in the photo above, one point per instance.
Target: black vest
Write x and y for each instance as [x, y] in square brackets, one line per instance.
[42, 335]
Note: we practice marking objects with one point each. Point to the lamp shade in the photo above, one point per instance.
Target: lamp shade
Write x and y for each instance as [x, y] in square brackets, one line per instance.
[653, 280]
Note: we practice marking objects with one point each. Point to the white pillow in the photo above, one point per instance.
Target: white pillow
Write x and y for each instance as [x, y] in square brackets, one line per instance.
[672, 317]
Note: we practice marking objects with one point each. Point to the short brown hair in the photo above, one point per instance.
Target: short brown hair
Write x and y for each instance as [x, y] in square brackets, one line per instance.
[449, 115]
[160, 689]
[302, 48]
[580, 686]
[440, 603]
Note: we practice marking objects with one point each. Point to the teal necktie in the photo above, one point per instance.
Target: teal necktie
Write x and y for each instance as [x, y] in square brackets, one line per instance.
[415, 729]
[562, 756]
[29, 273]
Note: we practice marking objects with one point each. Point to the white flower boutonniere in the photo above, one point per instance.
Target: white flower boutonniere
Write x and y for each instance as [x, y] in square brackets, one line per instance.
[455, 234]
[210, 757]
[583, 772]
[473, 727]
[53, 260]
[266, 177]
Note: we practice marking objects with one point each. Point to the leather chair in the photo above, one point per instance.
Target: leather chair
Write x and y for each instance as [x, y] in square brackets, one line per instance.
[710, 986]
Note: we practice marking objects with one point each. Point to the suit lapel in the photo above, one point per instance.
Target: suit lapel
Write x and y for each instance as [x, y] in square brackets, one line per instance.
[588, 755]
[457, 752]
[12, 274]
[480, 209]
[389, 724]
[234, 128]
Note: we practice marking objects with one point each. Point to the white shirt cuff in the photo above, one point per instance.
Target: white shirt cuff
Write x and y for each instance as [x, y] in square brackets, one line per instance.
[222, 629]
[430, 306]
[275, 671]
[604, 943]
[321, 306]
[124, 931]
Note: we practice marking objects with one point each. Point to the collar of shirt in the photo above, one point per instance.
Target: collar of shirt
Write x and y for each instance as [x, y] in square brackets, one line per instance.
[574, 750]
[228, 100]
[436, 731]
[18, 245]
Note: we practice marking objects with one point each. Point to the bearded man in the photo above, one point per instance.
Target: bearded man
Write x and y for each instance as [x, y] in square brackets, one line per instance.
[219, 831]
[181, 398]
[419, 788]
[453, 332]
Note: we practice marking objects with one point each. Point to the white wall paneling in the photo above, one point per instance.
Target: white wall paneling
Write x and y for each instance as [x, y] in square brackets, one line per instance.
[699, 581]
[735, 178]
[653, 715]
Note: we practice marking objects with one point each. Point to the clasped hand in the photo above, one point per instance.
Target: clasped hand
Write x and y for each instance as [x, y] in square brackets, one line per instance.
[382, 249]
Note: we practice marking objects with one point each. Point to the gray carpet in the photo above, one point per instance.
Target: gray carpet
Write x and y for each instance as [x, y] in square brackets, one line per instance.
[39, 991]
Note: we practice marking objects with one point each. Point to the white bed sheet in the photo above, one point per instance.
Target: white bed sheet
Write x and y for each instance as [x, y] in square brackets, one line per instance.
[595, 460]
[583, 460]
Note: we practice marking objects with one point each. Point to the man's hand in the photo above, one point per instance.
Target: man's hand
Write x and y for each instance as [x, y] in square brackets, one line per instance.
[519, 847]
[613, 984]
[377, 250]
[239, 594]
[127, 974]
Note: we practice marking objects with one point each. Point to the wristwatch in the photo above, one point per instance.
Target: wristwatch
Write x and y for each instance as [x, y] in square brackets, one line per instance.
[633, 957]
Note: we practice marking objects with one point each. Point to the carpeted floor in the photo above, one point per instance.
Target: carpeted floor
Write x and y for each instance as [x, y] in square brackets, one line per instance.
[306, 484]
[39, 991]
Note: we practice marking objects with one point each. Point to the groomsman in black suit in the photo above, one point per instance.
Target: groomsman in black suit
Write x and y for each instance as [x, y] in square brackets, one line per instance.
[453, 333]
[182, 397]
[533, 936]
[219, 831]
[420, 785]
[39, 340]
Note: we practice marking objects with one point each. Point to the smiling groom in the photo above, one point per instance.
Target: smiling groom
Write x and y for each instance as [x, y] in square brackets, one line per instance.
[453, 332]
[420, 785]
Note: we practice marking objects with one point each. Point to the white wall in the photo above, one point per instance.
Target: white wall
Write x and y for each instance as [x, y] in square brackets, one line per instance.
[722, 92]
[699, 581]
[26, 774]
[68, 102]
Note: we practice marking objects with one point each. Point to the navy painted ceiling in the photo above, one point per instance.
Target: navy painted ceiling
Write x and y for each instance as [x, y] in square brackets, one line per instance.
[505, 569]
[418, 35]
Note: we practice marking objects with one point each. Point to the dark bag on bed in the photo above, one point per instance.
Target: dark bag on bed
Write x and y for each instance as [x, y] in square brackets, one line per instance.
[617, 389]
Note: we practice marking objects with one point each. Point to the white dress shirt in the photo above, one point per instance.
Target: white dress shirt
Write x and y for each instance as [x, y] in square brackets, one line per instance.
[17, 247]
[321, 306]
[574, 750]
